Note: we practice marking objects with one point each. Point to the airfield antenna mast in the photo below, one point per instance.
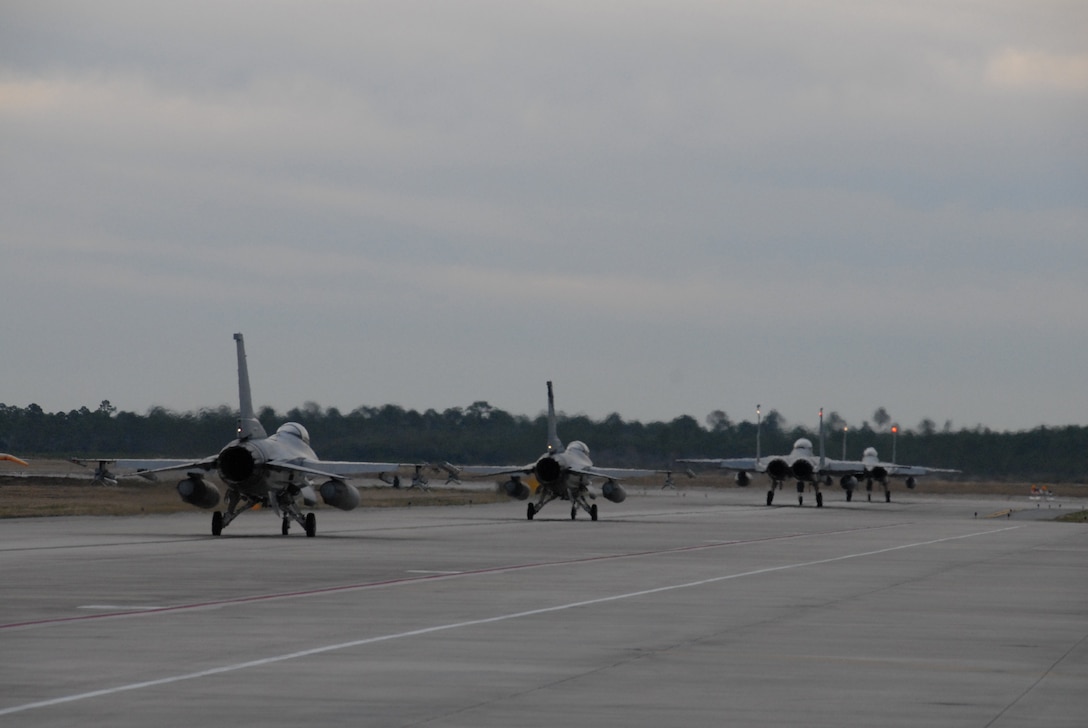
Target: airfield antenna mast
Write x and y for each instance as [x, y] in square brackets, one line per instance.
[844, 429]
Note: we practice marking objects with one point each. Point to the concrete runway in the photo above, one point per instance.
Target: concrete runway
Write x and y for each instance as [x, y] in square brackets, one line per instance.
[697, 608]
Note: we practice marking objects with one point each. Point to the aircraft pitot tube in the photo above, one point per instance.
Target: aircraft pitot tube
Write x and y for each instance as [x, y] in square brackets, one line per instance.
[339, 494]
[195, 491]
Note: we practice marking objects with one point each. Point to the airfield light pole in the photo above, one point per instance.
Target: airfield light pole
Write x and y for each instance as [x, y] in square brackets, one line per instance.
[844, 429]
[895, 433]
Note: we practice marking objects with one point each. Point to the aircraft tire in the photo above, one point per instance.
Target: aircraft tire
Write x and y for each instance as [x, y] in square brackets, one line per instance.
[286, 528]
[770, 496]
[532, 511]
[217, 523]
[593, 512]
[573, 512]
[800, 499]
[311, 525]
[849, 495]
[819, 500]
[888, 497]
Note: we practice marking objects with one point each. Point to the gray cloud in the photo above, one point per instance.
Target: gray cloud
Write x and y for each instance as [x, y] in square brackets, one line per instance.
[668, 208]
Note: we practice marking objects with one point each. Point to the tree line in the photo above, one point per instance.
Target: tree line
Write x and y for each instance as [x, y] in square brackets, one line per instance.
[480, 434]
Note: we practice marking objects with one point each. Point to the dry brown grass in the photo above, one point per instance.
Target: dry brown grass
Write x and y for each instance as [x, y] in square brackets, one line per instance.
[35, 496]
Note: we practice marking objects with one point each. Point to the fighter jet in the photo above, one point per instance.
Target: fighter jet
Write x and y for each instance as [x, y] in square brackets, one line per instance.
[801, 464]
[258, 469]
[870, 469]
[563, 472]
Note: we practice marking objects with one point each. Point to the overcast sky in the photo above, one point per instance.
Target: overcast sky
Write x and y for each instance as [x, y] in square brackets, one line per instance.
[665, 207]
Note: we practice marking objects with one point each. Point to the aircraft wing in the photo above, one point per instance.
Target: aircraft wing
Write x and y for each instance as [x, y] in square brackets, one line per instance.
[842, 466]
[614, 473]
[727, 463]
[486, 470]
[858, 467]
[611, 473]
[161, 466]
[335, 468]
[146, 468]
[914, 470]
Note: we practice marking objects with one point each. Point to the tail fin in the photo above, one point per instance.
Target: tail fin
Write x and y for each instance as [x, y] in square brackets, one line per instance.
[759, 427]
[248, 425]
[554, 443]
[823, 457]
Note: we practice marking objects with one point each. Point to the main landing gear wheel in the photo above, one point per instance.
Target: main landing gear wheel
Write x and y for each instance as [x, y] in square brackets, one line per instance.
[311, 525]
[573, 512]
[770, 497]
[286, 525]
[819, 500]
[593, 512]
[532, 511]
[217, 523]
[849, 495]
[887, 497]
[800, 499]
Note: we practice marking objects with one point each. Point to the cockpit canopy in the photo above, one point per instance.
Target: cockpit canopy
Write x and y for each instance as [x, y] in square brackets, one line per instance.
[294, 429]
[804, 444]
[579, 446]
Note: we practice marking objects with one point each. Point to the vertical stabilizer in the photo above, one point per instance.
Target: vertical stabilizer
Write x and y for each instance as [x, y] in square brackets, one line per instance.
[249, 426]
[823, 457]
[554, 443]
[759, 426]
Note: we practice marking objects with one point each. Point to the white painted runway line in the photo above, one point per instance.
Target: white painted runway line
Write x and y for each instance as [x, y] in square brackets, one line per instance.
[236, 667]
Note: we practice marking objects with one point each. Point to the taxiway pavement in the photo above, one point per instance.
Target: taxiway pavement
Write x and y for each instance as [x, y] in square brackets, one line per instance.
[693, 608]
